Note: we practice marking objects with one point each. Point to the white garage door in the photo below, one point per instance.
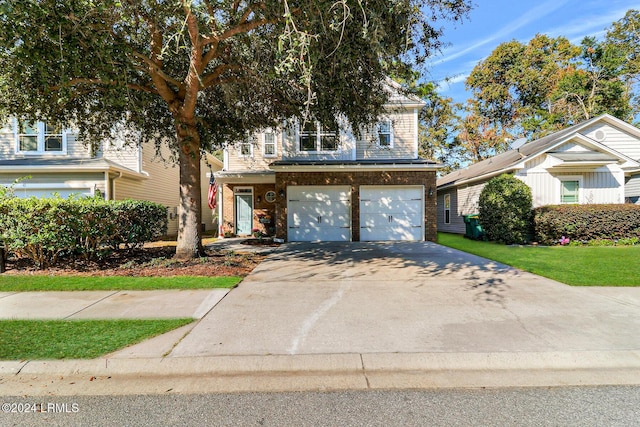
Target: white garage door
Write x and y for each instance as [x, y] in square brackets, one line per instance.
[51, 191]
[391, 213]
[319, 213]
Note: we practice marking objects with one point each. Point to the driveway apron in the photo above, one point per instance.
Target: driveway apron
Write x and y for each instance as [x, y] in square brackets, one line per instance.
[318, 298]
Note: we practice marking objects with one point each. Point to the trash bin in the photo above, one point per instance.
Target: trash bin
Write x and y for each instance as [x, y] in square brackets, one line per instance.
[473, 229]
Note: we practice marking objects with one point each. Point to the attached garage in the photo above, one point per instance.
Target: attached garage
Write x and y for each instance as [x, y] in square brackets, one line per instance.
[391, 213]
[319, 213]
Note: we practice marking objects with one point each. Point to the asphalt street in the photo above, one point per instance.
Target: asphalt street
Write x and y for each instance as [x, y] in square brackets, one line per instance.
[573, 406]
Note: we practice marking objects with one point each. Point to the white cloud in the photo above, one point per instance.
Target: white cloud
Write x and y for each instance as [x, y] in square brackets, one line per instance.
[445, 84]
[593, 25]
[526, 18]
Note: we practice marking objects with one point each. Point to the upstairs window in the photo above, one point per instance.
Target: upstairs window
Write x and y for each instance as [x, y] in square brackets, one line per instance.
[313, 138]
[385, 134]
[40, 138]
[245, 148]
[269, 148]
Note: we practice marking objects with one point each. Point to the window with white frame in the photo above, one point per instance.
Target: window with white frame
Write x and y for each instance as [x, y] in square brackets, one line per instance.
[313, 138]
[245, 148]
[385, 133]
[569, 190]
[40, 138]
[269, 144]
[447, 208]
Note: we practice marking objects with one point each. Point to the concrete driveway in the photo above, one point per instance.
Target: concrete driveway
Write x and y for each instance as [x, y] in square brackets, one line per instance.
[327, 298]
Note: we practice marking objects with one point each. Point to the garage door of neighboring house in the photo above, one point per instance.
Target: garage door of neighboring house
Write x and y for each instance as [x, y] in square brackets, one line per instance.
[50, 191]
[319, 213]
[391, 213]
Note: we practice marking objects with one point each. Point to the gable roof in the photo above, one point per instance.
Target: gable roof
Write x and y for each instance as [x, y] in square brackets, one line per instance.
[511, 159]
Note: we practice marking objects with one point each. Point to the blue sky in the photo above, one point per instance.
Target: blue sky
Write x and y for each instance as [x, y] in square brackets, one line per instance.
[493, 22]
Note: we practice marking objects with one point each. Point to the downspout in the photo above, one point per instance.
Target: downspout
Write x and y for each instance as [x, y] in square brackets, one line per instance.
[113, 182]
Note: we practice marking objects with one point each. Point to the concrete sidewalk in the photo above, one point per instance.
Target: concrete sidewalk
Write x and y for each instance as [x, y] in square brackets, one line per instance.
[160, 304]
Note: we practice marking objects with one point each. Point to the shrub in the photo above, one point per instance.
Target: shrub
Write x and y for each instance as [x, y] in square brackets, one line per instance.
[46, 229]
[505, 210]
[586, 223]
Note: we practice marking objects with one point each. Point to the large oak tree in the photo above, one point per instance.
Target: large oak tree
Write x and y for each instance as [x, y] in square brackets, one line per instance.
[201, 73]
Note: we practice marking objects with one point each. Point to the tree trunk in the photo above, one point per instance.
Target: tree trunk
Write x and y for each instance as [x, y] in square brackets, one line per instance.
[189, 243]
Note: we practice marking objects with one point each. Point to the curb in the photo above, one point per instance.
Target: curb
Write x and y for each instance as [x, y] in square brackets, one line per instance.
[318, 372]
[339, 362]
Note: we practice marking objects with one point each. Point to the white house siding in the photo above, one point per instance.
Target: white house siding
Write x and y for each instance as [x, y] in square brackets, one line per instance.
[257, 161]
[404, 131]
[77, 149]
[614, 138]
[7, 146]
[632, 189]
[603, 186]
[127, 156]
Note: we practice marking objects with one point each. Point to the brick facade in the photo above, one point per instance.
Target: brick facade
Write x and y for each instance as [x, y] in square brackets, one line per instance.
[356, 179]
[264, 212]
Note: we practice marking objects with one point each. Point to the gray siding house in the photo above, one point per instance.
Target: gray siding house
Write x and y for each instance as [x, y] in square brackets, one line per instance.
[596, 161]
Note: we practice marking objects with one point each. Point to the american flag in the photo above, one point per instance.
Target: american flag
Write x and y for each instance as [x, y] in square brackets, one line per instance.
[213, 191]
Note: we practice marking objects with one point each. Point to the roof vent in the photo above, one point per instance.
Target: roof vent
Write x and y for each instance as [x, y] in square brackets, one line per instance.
[600, 135]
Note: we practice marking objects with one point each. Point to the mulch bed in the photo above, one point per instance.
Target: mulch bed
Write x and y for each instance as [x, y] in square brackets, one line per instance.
[152, 261]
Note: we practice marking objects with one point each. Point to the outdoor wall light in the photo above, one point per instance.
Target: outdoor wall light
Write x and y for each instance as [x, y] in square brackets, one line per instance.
[258, 199]
[430, 192]
[281, 193]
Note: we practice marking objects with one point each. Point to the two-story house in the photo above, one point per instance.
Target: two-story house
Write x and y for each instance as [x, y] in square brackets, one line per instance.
[309, 183]
[55, 162]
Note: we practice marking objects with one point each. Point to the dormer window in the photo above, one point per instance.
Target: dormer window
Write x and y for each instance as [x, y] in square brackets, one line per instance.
[40, 138]
[385, 134]
[313, 138]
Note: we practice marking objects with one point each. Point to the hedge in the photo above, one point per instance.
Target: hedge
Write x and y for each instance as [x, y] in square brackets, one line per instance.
[49, 228]
[585, 223]
[505, 210]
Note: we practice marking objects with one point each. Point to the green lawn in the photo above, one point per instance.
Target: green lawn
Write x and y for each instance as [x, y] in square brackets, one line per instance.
[76, 339]
[21, 283]
[573, 265]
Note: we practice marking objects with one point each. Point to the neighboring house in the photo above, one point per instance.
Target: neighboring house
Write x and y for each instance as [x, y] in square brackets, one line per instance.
[57, 163]
[596, 161]
[318, 184]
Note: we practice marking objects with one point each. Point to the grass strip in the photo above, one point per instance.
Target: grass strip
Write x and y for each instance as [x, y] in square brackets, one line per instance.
[573, 265]
[76, 339]
[23, 283]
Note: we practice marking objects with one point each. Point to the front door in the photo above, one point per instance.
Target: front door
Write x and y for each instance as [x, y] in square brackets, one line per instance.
[244, 214]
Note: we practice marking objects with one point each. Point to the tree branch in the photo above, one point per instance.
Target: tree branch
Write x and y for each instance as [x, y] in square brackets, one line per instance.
[153, 67]
[192, 81]
[100, 82]
[212, 78]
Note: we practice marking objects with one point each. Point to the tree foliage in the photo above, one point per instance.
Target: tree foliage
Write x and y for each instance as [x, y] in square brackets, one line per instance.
[201, 73]
[534, 88]
[439, 120]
